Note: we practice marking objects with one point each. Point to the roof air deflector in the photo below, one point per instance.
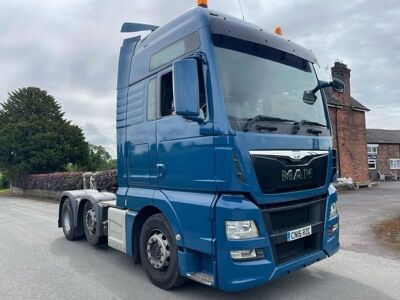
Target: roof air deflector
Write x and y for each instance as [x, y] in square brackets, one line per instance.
[134, 27]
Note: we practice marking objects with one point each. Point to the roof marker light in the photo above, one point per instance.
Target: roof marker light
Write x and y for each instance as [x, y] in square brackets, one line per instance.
[278, 30]
[202, 3]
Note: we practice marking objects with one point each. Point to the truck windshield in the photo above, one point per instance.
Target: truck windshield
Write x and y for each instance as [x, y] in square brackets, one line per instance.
[262, 81]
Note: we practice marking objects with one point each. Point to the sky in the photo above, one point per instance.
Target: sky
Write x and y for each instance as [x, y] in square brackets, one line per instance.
[70, 48]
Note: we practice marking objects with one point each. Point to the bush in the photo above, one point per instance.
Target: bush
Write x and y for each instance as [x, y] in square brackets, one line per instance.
[58, 182]
[106, 181]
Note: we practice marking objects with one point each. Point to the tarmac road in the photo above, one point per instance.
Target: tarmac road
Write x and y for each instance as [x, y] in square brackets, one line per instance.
[37, 262]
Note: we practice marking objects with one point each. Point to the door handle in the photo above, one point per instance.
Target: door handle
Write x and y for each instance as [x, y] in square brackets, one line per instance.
[160, 170]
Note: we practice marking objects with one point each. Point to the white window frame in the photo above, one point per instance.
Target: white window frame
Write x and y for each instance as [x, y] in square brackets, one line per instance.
[372, 161]
[394, 163]
[374, 148]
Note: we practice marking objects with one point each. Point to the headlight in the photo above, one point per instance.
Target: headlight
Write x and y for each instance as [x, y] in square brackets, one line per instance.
[333, 211]
[238, 230]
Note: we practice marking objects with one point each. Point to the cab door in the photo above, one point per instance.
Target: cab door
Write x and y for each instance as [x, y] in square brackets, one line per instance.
[185, 148]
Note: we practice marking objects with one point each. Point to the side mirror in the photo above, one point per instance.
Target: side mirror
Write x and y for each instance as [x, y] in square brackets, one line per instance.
[186, 88]
[337, 85]
[309, 97]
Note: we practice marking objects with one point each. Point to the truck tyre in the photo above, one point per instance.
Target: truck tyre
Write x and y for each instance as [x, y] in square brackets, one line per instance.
[90, 225]
[159, 253]
[67, 221]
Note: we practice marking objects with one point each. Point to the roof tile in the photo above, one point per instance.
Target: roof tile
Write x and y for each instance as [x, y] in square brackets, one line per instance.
[383, 136]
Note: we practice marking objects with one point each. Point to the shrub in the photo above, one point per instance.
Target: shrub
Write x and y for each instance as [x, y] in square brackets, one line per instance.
[105, 181]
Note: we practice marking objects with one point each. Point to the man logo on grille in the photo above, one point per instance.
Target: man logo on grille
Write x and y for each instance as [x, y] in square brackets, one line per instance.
[298, 174]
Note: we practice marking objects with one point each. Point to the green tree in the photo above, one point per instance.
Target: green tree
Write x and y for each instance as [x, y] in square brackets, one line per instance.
[99, 159]
[4, 182]
[35, 137]
[112, 164]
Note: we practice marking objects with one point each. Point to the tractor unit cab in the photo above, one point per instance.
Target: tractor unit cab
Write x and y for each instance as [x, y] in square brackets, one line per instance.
[208, 87]
[225, 159]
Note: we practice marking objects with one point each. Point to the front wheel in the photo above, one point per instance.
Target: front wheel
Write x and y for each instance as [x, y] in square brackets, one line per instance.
[159, 253]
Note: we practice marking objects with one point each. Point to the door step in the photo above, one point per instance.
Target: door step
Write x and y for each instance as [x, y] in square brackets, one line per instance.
[201, 277]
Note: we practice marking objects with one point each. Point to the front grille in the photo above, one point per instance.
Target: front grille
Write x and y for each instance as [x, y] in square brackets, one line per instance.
[283, 217]
[281, 174]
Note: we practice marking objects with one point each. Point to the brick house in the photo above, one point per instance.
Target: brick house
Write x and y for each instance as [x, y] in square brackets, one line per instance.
[349, 130]
[383, 152]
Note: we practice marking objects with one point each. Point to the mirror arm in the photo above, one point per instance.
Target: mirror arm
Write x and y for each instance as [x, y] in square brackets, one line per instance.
[324, 84]
[321, 85]
[315, 89]
[201, 57]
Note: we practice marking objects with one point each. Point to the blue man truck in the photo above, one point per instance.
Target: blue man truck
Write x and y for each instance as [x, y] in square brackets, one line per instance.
[225, 158]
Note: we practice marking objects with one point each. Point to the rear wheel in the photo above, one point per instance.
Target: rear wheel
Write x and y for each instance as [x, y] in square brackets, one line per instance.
[67, 221]
[90, 225]
[159, 253]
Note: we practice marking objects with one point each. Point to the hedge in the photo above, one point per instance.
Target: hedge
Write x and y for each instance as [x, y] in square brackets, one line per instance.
[58, 182]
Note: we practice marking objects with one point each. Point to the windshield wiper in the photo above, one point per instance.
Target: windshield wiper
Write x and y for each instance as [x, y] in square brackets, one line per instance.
[260, 118]
[298, 125]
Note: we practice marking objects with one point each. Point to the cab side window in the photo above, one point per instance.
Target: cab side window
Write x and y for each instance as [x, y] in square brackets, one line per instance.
[202, 90]
[166, 95]
[167, 107]
[151, 100]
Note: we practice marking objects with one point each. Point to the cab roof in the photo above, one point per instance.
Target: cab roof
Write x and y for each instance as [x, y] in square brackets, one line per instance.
[135, 55]
[219, 23]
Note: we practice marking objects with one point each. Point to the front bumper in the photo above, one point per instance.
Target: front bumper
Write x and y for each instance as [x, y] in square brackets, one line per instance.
[239, 275]
[236, 276]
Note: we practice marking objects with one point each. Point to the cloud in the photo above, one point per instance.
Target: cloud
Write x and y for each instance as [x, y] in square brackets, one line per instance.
[71, 47]
[363, 34]
[99, 135]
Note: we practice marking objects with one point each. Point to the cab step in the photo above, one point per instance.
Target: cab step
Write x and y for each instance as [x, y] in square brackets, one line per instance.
[202, 277]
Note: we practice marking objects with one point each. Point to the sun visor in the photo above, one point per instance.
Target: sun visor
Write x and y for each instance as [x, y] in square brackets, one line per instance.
[236, 28]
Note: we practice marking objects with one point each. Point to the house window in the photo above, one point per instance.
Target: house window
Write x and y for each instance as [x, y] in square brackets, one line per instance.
[372, 164]
[372, 155]
[394, 163]
[372, 149]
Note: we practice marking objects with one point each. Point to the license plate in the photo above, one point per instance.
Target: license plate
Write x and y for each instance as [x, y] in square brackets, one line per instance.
[298, 233]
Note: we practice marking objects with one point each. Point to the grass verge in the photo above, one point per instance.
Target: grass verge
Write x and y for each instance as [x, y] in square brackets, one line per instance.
[389, 232]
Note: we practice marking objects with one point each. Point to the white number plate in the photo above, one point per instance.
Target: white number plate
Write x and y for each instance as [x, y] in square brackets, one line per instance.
[298, 233]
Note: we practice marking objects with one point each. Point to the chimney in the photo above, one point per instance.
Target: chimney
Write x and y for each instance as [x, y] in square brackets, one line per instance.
[340, 70]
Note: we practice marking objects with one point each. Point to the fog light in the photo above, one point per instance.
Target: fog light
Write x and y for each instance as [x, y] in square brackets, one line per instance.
[244, 254]
[238, 230]
[333, 211]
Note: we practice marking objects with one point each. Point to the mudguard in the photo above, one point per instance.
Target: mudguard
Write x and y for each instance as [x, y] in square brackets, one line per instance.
[78, 198]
